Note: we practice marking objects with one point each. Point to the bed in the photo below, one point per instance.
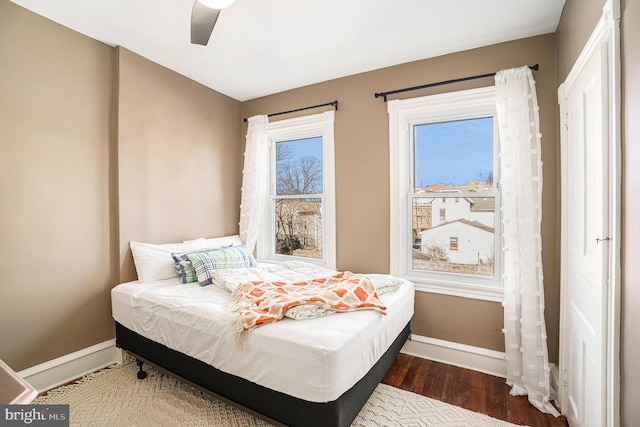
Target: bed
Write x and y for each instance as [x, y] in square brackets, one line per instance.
[313, 372]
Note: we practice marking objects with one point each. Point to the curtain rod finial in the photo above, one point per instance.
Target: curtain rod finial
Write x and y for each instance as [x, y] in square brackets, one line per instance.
[383, 95]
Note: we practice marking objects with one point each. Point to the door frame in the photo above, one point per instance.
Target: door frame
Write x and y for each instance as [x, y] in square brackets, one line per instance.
[606, 35]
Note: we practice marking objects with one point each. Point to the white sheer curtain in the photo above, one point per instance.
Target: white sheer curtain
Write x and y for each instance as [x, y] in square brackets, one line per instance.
[521, 183]
[255, 180]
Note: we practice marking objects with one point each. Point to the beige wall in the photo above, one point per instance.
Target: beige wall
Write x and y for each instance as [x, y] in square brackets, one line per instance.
[55, 225]
[97, 147]
[578, 21]
[179, 158]
[579, 18]
[362, 175]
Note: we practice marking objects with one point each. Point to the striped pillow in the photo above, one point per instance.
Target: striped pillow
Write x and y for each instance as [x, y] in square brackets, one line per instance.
[205, 262]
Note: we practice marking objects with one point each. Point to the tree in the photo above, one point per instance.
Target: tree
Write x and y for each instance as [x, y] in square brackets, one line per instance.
[298, 225]
[303, 176]
[488, 178]
[287, 239]
[284, 152]
[435, 252]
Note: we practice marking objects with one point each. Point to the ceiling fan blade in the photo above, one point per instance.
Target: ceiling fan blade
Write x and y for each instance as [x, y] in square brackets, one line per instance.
[203, 19]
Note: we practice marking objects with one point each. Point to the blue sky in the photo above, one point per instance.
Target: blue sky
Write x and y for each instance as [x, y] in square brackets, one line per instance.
[447, 153]
[305, 147]
[453, 152]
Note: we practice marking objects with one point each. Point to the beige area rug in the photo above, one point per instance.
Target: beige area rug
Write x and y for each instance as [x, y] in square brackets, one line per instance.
[115, 397]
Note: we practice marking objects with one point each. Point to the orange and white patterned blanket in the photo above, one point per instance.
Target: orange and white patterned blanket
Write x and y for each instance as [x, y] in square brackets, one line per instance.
[261, 302]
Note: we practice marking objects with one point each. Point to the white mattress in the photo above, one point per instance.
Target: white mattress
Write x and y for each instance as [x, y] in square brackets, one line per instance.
[316, 360]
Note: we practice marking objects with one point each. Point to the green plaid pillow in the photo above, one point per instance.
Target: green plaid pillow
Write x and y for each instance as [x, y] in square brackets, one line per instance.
[205, 261]
[184, 268]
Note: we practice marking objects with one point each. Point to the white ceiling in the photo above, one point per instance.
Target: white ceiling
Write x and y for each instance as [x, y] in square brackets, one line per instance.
[260, 47]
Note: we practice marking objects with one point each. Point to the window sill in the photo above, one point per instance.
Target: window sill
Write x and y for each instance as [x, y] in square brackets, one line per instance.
[463, 290]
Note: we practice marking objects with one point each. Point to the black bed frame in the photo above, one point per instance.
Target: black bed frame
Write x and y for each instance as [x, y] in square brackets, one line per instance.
[273, 406]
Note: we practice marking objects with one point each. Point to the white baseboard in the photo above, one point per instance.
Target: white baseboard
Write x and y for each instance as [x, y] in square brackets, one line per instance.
[53, 373]
[452, 353]
[465, 356]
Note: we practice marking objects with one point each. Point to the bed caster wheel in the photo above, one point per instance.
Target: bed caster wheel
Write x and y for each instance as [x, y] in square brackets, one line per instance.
[141, 373]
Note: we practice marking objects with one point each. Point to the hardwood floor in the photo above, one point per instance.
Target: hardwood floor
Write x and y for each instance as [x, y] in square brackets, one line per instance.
[468, 389]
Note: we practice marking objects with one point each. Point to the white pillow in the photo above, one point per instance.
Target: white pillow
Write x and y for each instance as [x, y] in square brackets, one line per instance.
[154, 262]
[219, 242]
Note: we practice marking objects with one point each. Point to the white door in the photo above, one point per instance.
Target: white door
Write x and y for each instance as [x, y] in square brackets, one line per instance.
[585, 245]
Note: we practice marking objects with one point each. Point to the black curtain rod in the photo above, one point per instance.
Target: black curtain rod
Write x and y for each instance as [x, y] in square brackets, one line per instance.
[446, 82]
[334, 104]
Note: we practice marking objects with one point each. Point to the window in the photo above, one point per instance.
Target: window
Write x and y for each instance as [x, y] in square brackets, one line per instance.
[453, 243]
[443, 157]
[300, 216]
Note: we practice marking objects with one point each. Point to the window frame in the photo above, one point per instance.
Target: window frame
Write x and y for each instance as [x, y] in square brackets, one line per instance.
[403, 116]
[310, 126]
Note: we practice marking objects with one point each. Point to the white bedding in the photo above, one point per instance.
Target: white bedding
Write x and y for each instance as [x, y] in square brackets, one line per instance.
[315, 359]
[294, 271]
